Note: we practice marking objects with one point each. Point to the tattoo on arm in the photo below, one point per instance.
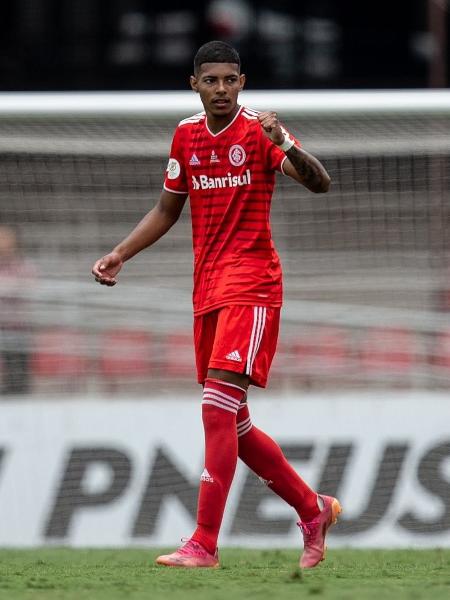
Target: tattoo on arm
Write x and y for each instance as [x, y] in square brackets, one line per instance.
[311, 172]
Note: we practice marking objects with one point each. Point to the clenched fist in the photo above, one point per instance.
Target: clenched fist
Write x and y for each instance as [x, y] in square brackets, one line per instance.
[272, 128]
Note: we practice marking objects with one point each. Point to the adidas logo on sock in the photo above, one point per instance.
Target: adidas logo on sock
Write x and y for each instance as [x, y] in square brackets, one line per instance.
[265, 481]
[206, 477]
[234, 356]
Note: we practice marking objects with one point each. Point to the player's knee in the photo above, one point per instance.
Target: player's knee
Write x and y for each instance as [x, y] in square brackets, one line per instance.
[239, 379]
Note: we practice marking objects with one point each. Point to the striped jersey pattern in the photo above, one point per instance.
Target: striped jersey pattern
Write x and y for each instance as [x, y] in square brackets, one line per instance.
[229, 177]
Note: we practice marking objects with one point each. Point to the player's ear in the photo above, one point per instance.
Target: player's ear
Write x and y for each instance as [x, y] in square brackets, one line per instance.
[193, 82]
[241, 81]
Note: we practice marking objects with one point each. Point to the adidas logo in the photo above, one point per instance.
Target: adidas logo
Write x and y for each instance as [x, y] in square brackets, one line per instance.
[206, 477]
[194, 160]
[234, 356]
[214, 158]
[265, 481]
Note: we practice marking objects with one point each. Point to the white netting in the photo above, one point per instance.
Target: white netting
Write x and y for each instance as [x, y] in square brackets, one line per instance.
[366, 265]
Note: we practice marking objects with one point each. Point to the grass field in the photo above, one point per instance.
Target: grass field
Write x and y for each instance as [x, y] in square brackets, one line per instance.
[65, 574]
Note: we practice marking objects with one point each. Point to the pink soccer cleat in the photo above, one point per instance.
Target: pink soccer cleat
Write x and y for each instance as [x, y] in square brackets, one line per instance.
[191, 555]
[315, 531]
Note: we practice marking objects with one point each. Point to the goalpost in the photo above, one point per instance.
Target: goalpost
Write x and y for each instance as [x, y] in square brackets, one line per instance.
[366, 265]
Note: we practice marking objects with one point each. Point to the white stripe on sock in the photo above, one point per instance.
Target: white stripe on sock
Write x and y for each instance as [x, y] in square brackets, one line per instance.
[243, 424]
[231, 385]
[233, 405]
[245, 430]
[219, 405]
[221, 394]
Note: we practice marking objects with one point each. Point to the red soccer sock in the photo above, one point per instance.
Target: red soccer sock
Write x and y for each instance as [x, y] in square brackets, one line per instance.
[219, 408]
[265, 457]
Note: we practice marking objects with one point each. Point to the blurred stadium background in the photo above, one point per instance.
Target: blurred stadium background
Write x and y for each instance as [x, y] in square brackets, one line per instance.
[366, 265]
[367, 272]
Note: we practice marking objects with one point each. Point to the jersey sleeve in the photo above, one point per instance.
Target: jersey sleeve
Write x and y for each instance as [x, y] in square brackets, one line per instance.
[272, 155]
[175, 180]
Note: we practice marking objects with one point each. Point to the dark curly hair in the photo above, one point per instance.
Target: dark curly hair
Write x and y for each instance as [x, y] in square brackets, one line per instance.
[216, 52]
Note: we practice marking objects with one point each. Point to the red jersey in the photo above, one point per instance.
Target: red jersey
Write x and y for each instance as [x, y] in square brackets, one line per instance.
[229, 177]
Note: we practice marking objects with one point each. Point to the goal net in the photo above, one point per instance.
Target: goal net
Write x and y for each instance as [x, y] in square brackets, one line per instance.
[366, 265]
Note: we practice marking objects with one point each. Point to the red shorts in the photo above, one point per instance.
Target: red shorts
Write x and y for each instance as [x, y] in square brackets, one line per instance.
[242, 339]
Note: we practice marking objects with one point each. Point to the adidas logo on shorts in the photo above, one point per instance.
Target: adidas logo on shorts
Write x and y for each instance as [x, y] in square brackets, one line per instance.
[234, 356]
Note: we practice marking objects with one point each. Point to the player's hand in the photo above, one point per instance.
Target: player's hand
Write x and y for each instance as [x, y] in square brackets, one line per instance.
[271, 126]
[106, 269]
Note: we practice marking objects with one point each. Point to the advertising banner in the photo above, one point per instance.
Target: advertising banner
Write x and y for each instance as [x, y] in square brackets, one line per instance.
[91, 472]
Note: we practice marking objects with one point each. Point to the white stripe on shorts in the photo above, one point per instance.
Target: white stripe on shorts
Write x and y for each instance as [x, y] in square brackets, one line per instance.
[259, 321]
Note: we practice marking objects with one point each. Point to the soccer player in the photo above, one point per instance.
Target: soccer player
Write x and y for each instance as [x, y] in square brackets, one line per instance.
[225, 160]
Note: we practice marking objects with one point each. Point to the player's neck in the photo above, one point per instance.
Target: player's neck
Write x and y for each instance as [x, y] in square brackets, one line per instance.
[217, 122]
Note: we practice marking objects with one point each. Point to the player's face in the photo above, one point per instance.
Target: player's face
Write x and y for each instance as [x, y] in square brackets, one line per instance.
[219, 85]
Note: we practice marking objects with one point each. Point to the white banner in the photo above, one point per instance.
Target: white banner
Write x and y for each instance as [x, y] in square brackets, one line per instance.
[121, 473]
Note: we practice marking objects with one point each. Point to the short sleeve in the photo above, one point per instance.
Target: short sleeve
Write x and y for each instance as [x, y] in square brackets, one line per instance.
[272, 155]
[175, 179]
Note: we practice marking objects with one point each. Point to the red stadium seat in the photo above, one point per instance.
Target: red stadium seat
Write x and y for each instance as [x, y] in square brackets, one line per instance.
[440, 355]
[60, 355]
[125, 353]
[386, 350]
[59, 352]
[179, 356]
[322, 351]
[281, 367]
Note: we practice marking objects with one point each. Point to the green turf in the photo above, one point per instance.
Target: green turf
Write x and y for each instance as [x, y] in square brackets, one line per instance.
[65, 574]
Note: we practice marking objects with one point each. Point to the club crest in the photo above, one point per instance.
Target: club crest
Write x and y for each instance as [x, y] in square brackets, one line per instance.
[237, 155]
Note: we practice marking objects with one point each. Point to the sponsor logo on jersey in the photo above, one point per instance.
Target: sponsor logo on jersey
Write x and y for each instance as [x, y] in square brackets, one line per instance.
[229, 181]
[214, 158]
[194, 160]
[237, 155]
[173, 168]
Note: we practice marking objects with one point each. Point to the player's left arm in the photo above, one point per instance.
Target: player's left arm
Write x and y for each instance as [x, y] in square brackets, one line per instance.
[300, 165]
[306, 169]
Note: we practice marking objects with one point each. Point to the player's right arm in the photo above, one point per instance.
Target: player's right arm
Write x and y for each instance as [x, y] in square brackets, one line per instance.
[154, 225]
